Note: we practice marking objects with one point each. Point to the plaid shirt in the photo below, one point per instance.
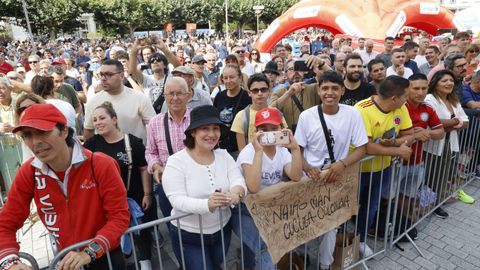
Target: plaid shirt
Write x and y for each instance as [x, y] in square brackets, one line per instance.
[157, 150]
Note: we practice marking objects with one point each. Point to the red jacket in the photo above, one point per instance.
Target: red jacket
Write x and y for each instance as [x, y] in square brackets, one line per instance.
[92, 208]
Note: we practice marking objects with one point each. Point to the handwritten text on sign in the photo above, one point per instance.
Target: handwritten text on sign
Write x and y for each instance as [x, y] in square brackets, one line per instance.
[292, 213]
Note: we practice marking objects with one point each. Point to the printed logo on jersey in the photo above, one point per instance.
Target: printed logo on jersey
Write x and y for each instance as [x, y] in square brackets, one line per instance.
[88, 184]
[397, 120]
[424, 116]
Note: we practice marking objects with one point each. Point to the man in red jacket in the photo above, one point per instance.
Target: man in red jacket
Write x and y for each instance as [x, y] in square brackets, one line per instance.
[77, 194]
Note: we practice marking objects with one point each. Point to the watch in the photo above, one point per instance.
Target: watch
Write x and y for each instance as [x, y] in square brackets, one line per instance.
[96, 249]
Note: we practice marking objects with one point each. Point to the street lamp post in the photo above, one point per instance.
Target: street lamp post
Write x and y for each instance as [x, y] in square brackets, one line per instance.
[24, 4]
[226, 22]
[258, 11]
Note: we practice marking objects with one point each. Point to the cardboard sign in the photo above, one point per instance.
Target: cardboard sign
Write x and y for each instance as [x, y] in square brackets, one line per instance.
[290, 214]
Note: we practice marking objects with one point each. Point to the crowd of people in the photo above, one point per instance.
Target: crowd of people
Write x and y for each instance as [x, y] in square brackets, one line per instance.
[111, 127]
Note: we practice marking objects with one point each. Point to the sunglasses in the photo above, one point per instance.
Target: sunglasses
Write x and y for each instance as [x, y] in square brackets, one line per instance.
[240, 51]
[474, 51]
[257, 90]
[32, 62]
[254, 53]
[155, 60]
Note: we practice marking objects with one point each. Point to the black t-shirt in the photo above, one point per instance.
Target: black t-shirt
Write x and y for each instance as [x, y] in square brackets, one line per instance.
[117, 151]
[228, 108]
[351, 97]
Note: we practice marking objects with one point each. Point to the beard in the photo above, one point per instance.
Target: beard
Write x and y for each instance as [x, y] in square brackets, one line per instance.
[353, 77]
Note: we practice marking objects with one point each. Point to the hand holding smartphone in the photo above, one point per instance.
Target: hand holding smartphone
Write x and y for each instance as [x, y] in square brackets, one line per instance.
[275, 138]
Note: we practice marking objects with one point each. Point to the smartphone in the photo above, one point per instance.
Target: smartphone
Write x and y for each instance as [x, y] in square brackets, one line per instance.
[300, 65]
[389, 134]
[275, 138]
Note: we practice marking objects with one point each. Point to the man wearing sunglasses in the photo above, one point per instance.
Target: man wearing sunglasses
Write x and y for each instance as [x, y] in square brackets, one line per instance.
[153, 85]
[33, 62]
[246, 67]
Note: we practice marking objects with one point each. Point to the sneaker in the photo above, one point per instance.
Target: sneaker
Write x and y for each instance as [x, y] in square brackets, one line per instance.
[439, 212]
[464, 197]
[365, 250]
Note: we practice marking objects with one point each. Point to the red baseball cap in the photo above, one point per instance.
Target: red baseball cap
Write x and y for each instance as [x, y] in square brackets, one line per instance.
[41, 116]
[58, 61]
[268, 116]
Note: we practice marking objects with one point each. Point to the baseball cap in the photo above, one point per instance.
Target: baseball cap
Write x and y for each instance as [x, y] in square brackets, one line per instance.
[41, 116]
[268, 116]
[198, 59]
[183, 70]
[58, 61]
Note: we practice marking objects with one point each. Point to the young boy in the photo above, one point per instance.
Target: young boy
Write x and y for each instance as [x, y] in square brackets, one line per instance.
[345, 128]
[259, 91]
[389, 129]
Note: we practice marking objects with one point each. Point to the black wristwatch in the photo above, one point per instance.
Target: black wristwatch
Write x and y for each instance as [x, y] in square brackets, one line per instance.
[91, 254]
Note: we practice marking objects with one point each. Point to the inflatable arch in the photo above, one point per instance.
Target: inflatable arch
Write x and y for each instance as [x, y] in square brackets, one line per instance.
[375, 19]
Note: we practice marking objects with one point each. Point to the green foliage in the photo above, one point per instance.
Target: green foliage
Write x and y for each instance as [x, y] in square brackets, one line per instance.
[125, 16]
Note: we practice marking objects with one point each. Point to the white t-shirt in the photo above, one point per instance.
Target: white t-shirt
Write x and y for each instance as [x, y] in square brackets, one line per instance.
[152, 87]
[406, 74]
[346, 128]
[66, 109]
[420, 59]
[272, 169]
[248, 69]
[133, 109]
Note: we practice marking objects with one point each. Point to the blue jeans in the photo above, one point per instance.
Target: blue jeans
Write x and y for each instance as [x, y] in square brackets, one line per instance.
[192, 248]
[253, 244]
[370, 198]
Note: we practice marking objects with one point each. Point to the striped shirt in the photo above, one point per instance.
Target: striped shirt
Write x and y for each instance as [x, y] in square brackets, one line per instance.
[157, 150]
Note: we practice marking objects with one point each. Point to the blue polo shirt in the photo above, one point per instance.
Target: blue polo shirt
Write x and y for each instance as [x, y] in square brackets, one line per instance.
[469, 95]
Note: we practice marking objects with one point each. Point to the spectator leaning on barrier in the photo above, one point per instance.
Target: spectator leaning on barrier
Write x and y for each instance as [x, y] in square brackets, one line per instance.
[345, 128]
[159, 145]
[443, 98]
[93, 206]
[264, 166]
[389, 129]
[203, 180]
[426, 126]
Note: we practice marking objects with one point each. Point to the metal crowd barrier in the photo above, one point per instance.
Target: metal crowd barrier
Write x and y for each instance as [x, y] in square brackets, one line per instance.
[396, 217]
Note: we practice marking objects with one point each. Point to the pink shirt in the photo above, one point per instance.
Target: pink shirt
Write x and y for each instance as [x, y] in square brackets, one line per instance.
[157, 150]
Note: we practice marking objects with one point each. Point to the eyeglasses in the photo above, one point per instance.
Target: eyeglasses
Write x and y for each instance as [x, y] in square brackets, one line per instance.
[32, 62]
[290, 69]
[107, 75]
[461, 66]
[257, 90]
[239, 51]
[178, 94]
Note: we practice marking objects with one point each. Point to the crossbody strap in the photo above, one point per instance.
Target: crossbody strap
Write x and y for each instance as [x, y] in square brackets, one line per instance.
[326, 133]
[297, 102]
[167, 134]
[128, 149]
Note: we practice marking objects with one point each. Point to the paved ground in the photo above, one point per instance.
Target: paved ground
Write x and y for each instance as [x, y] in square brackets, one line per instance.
[453, 243]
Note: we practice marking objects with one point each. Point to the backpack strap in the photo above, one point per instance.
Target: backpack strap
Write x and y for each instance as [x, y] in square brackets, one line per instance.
[128, 149]
[246, 122]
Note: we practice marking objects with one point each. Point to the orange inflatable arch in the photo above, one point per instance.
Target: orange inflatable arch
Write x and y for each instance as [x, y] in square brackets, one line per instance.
[375, 19]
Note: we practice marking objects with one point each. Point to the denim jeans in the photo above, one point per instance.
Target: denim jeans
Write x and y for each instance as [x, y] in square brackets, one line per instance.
[370, 198]
[192, 248]
[253, 244]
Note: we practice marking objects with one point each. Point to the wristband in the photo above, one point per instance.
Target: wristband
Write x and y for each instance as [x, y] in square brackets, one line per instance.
[147, 194]
[91, 254]
[10, 263]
